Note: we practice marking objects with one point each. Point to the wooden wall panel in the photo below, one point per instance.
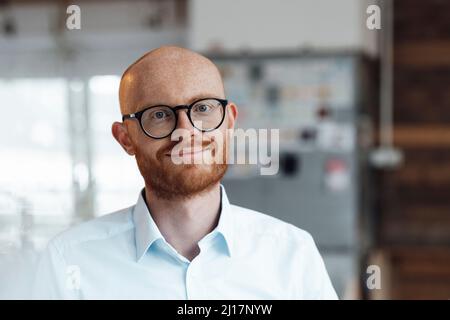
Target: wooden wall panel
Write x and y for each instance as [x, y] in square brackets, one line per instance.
[413, 201]
[422, 96]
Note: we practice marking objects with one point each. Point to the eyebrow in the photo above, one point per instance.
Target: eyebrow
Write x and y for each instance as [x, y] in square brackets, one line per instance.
[191, 100]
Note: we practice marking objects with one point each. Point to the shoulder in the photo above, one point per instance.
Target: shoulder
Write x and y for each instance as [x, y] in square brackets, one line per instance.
[259, 224]
[290, 249]
[97, 229]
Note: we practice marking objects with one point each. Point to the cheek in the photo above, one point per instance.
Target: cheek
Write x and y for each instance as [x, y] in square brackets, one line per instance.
[158, 148]
[147, 148]
[219, 136]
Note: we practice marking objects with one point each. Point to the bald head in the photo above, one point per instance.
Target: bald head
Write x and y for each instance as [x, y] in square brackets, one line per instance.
[168, 75]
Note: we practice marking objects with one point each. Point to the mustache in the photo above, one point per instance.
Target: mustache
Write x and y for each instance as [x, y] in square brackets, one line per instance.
[168, 149]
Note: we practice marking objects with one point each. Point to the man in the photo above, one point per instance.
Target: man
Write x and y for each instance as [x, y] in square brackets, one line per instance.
[183, 239]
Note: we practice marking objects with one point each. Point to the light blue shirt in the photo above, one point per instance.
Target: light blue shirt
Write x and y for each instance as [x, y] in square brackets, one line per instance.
[123, 255]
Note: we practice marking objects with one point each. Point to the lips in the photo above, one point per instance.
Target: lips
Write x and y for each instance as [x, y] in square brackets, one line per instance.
[189, 151]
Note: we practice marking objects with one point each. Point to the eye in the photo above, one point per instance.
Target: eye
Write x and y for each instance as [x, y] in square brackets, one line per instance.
[160, 115]
[202, 108]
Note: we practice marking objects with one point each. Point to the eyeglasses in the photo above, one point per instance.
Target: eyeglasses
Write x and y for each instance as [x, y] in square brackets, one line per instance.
[160, 121]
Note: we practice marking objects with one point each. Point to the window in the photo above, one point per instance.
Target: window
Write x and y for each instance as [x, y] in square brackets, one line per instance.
[117, 178]
[35, 170]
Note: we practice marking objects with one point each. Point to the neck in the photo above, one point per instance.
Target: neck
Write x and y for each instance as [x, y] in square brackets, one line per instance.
[184, 222]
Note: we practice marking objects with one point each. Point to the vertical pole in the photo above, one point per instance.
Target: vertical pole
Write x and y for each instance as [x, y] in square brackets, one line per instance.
[81, 149]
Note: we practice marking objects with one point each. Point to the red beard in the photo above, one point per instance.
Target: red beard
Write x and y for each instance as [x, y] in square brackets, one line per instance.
[168, 180]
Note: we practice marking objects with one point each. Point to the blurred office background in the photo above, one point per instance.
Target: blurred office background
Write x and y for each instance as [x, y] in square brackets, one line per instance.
[363, 116]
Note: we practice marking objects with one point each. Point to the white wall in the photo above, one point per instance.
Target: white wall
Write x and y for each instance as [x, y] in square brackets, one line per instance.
[113, 34]
[280, 24]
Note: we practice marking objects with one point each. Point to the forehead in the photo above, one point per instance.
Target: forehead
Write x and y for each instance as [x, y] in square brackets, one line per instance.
[171, 84]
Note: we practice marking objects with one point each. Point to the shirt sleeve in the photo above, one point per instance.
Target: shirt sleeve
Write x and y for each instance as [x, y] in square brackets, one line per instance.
[52, 278]
[314, 282]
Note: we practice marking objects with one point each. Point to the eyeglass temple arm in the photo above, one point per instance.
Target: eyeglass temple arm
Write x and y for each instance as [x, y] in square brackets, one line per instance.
[128, 116]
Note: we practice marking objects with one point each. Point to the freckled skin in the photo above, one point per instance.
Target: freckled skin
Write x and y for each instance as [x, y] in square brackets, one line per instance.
[168, 75]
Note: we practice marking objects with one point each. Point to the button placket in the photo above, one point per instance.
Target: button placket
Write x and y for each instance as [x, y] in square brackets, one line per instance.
[194, 280]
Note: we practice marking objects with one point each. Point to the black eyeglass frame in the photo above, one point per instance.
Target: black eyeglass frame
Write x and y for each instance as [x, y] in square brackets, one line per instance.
[138, 115]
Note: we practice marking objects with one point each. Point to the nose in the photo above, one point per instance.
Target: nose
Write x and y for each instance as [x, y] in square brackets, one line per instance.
[188, 130]
[183, 120]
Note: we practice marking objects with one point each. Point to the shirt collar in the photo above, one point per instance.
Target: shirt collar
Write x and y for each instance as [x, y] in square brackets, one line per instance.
[147, 232]
[225, 225]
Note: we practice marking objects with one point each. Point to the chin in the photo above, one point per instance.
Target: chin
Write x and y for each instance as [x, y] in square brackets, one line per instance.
[200, 168]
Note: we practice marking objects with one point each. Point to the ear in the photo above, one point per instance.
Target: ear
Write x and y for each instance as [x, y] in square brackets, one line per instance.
[120, 133]
[232, 115]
